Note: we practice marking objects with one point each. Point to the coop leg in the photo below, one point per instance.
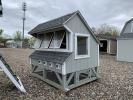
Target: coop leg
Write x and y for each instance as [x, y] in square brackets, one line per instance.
[44, 74]
[76, 77]
[65, 85]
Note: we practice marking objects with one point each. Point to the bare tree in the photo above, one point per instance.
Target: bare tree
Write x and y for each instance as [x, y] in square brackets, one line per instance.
[108, 29]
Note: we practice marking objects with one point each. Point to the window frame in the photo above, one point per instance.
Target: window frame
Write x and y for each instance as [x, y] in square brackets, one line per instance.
[76, 47]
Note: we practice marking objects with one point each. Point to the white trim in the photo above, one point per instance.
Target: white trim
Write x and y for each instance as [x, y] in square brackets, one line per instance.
[98, 55]
[109, 42]
[64, 68]
[7, 72]
[88, 44]
[30, 61]
[53, 49]
[70, 38]
[117, 51]
[131, 26]
[70, 17]
[68, 28]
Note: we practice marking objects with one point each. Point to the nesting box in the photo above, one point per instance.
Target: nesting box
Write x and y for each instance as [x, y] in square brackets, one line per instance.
[67, 52]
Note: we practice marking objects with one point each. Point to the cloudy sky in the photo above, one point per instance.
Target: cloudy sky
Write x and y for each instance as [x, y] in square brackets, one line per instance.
[96, 12]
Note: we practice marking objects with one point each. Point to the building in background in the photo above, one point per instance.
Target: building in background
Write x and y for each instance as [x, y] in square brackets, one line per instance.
[125, 43]
[108, 43]
[67, 52]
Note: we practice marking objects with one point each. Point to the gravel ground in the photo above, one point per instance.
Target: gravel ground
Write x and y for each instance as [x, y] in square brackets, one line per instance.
[116, 82]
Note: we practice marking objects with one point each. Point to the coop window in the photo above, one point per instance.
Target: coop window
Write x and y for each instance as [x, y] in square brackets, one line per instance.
[82, 46]
[53, 40]
[58, 40]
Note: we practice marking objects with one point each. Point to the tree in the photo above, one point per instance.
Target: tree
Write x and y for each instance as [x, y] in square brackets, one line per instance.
[32, 41]
[108, 29]
[17, 36]
[1, 31]
[3, 38]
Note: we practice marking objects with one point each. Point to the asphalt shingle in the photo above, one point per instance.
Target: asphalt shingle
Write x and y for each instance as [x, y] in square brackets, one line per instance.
[52, 56]
[58, 22]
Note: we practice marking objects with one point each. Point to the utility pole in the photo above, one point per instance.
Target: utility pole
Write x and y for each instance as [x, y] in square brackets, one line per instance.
[23, 18]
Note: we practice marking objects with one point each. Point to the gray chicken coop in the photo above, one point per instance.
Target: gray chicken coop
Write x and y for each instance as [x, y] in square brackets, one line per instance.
[67, 52]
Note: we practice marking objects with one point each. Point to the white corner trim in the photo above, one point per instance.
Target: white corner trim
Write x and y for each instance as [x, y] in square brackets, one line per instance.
[30, 61]
[88, 42]
[64, 68]
[117, 50]
[109, 43]
[98, 55]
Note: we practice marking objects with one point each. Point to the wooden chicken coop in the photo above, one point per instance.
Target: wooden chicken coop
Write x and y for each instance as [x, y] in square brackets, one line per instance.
[67, 52]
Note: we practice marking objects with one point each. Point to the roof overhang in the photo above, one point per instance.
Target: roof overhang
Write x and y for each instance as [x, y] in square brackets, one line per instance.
[47, 31]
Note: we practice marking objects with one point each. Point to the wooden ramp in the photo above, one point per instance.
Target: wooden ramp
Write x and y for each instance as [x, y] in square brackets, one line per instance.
[8, 71]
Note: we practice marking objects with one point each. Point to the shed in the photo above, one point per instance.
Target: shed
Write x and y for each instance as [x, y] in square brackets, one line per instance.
[108, 43]
[67, 52]
[125, 43]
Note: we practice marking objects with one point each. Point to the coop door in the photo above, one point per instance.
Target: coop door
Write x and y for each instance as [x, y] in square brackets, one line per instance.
[57, 40]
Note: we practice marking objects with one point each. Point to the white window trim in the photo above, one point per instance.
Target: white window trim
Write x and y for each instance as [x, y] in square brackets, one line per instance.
[88, 43]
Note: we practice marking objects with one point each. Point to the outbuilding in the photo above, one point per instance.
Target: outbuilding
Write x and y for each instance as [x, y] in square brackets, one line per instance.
[67, 52]
[125, 43]
[108, 43]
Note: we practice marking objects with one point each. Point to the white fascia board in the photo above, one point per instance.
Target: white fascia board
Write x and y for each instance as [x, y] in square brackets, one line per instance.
[64, 68]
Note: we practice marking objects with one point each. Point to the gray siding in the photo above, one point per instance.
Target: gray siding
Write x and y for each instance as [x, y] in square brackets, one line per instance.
[72, 64]
[125, 50]
[113, 47]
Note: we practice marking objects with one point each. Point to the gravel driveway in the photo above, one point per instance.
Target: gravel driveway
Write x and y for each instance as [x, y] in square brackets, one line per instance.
[116, 82]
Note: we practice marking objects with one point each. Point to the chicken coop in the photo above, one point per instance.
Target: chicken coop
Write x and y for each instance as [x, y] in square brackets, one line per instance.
[66, 52]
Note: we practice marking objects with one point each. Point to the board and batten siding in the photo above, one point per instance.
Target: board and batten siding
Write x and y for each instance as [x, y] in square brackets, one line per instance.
[113, 47]
[77, 26]
[125, 50]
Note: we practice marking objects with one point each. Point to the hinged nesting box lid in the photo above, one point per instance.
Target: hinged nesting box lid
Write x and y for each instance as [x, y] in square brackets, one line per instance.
[8, 71]
[51, 56]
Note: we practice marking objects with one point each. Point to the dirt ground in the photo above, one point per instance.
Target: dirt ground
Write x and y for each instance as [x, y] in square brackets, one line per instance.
[116, 82]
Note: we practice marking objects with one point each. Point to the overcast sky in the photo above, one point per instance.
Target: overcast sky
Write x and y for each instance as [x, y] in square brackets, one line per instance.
[96, 12]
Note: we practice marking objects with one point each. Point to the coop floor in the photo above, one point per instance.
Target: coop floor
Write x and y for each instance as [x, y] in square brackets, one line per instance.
[116, 81]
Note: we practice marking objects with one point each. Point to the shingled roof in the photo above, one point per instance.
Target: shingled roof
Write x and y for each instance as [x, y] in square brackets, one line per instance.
[59, 23]
[51, 56]
[106, 36]
[127, 31]
[55, 23]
